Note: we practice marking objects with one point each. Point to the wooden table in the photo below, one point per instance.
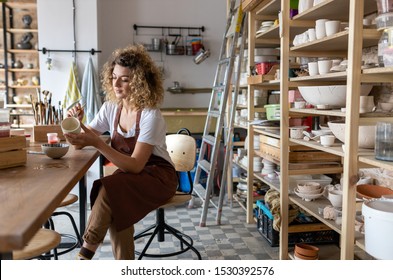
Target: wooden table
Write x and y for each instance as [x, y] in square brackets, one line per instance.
[29, 194]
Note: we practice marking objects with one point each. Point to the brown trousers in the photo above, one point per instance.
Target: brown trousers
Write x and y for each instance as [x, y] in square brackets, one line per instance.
[100, 221]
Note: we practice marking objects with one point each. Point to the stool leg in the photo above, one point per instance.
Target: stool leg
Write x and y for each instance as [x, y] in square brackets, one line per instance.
[78, 236]
[175, 233]
[142, 254]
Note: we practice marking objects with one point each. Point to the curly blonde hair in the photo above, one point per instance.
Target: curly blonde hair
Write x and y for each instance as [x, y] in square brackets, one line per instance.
[146, 85]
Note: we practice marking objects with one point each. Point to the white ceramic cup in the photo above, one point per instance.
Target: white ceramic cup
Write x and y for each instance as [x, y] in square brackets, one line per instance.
[366, 104]
[300, 104]
[304, 5]
[71, 125]
[320, 28]
[296, 132]
[324, 66]
[311, 34]
[327, 140]
[313, 68]
[332, 27]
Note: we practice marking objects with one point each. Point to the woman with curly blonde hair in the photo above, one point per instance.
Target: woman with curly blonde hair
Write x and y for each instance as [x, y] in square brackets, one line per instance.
[145, 178]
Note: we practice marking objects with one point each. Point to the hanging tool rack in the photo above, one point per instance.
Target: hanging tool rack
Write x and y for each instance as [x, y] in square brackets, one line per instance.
[174, 40]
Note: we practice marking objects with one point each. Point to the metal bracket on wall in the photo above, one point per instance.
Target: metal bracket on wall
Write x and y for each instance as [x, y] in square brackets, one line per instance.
[171, 29]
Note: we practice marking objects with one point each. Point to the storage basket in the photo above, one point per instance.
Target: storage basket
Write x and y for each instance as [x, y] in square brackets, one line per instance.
[265, 228]
[264, 67]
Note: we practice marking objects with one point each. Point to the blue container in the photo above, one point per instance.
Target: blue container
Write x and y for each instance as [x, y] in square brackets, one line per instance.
[184, 182]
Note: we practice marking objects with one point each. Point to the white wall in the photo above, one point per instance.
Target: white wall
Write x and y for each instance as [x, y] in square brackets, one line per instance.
[107, 25]
[117, 17]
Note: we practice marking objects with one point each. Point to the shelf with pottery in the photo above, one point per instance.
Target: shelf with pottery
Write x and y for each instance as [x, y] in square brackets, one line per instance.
[20, 22]
[337, 9]
[336, 44]
[274, 184]
[263, 10]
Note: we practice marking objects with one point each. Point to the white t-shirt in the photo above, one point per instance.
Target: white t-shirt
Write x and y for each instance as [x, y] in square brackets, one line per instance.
[152, 127]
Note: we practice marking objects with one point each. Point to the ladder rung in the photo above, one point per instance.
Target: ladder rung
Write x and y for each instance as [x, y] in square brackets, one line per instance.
[214, 113]
[219, 88]
[200, 191]
[225, 60]
[210, 139]
[205, 165]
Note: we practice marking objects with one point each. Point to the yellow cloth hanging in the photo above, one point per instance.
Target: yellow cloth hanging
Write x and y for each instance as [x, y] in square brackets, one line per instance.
[72, 95]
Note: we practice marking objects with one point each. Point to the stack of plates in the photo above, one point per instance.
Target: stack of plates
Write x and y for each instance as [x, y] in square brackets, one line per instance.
[265, 25]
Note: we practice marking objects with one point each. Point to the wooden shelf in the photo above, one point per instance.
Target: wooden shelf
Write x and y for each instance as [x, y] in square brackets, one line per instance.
[19, 106]
[21, 30]
[24, 87]
[337, 43]
[371, 160]
[24, 70]
[333, 9]
[268, 7]
[21, 5]
[20, 51]
[274, 184]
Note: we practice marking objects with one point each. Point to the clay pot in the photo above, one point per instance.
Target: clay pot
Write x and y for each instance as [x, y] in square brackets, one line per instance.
[306, 251]
[372, 191]
[306, 258]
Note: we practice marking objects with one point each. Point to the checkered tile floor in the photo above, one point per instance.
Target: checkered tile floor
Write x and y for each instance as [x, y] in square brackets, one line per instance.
[234, 239]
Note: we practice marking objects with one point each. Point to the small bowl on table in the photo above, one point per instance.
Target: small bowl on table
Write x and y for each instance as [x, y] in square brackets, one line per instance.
[55, 151]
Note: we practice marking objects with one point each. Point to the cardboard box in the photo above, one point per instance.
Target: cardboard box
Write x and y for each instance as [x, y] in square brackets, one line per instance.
[40, 131]
[12, 151]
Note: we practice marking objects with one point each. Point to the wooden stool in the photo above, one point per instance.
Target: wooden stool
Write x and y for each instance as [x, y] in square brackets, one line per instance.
[182, 150]
[160, 228]
[42, 242]
[76, 240]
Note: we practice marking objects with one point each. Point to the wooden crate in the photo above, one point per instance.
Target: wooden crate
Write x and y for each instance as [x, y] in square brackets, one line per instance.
[257, 79]
[40, 131]
[297, 153]
[12, 151]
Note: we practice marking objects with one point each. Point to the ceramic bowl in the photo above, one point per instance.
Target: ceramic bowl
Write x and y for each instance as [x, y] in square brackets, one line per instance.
[366, 133]
[333, 96]
[386, 106]
[308, 186]
[17, 99]
[55, 150]
[316, 191]
[308, 197]
[372, 191]
[306, 250]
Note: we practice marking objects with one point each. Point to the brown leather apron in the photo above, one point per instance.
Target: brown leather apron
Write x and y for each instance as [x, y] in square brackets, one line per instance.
[133, 196]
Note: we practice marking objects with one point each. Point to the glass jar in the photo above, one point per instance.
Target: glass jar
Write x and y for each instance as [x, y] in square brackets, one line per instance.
[384, 141]
[383, 44]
